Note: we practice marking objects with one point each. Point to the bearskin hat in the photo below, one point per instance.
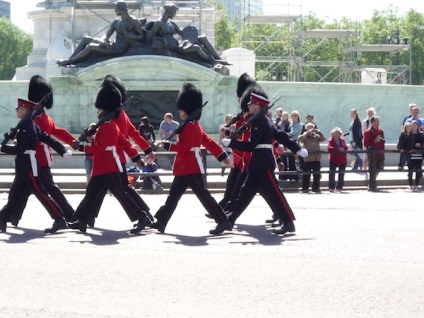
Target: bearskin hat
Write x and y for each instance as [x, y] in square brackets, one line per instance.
[244, 81]
[118, 83]
[38, 88]
[245, 98]
[189, 99]
[108, 98]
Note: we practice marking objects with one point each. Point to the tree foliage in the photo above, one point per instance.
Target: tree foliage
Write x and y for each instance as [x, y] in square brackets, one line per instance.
[283, 49]
[15, 47]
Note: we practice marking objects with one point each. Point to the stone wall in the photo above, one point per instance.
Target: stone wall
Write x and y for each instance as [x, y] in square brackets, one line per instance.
[75, 92]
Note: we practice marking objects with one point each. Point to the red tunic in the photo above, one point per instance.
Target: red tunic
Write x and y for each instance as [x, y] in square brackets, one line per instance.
[128, 130]
[104, 149]
[43, 151]
[241, 158]
[188, 159]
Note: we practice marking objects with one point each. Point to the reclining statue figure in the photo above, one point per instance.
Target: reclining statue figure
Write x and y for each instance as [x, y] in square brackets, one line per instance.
[128, 32]
[136, 37]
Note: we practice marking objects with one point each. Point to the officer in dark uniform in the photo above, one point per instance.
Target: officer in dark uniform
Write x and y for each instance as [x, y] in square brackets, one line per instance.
[38, 88]
[27, 169]
[261, 177]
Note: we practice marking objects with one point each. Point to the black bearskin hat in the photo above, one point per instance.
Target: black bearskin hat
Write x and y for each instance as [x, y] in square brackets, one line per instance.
[112, 79]
[108, 98]
[244, 81]
[38, 88]
[189, 99]
[245, 98]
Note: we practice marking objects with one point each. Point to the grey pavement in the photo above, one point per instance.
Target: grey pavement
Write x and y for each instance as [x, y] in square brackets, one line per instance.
[354, 254]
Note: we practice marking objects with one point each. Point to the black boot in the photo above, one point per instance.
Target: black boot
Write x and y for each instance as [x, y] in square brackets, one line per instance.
[285, 228]
[58, 224]
[3, 226]
[78, 225]
[274, 219]
[221, 227]
[158, 226]
[142, 223]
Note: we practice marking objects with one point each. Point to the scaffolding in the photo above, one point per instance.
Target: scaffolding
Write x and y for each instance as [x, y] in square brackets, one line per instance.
[297, 48]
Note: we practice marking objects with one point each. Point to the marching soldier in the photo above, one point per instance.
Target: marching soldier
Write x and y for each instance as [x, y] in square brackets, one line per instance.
[188, 165]
[27, 170]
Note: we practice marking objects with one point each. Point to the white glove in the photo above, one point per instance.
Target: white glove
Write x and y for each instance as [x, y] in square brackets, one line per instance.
[302, 152]
[67, 154]
[226, 142]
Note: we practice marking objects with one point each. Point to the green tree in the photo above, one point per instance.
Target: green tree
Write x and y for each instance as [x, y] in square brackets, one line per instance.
[225, 33]
[16, 45]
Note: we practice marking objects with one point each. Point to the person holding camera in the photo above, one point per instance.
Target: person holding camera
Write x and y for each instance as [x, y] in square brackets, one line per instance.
[310, 140]
[374, 140]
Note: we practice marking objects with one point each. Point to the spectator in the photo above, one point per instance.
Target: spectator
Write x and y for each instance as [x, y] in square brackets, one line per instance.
[284, 124]
[225, 131]
[146, 130]
[88, 158]
[278, 113]
[374, 140]
[289, 160]
[411, 144]
[355, 134]
[310, 140]
[338, 159]
[402, 156]
[417, 118]
[167, 126]
[150, 181]
[309, 119]
[366, 124]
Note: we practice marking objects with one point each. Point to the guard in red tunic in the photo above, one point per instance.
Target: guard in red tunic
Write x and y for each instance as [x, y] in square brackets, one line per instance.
[38, 88]
[127, 129]
[237, 173]
[27, 180]
[107, 168]
[188, 165]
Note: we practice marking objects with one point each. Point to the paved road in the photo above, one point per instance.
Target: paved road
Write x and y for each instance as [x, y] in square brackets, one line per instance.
[355, 254]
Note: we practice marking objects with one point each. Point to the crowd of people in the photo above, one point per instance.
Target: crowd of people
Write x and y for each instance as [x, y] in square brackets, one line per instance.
[257, 144]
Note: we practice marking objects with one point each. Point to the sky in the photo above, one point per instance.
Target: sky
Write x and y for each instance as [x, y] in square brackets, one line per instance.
[324, 9]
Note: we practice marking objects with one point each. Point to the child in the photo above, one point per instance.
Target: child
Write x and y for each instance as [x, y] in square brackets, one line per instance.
[27, 180]
[338, 159]
[149, 181]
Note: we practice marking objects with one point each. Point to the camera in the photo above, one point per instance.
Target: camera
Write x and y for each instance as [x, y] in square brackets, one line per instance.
[381, 139]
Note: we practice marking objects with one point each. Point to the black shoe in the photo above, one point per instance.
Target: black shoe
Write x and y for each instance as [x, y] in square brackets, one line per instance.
[274, 219]
[305, 191]
[91, 222]
[376, 189]
[14, 220]
[150, 216]
[71, 219]
[3, 226]
[221, 227]
[142, 223]
[78, 225]
[158, 226]
[57, 225]
[287, 227]
[208, 216]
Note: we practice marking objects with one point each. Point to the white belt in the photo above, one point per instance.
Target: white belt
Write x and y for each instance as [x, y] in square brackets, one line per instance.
[199, 159]
[267, 146]
[116, 156]
[33, 161]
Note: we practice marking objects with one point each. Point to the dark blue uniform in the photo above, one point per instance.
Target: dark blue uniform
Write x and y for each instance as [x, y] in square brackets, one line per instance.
[260, 177]
[26, 180]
